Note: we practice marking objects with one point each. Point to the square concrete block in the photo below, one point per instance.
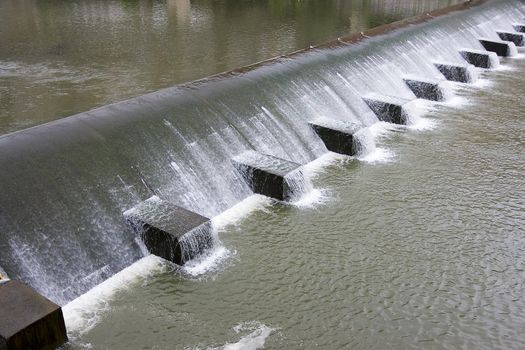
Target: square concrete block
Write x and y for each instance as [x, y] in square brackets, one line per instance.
[267, 175]
[387, 108]
[337, 136]
[169, 231]
[28, 320]
[454, 72]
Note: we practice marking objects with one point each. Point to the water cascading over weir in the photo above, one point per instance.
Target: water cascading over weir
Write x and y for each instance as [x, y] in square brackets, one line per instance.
[66, 185]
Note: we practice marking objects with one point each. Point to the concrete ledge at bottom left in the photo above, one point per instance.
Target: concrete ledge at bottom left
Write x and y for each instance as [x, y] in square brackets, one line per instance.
[28, 320]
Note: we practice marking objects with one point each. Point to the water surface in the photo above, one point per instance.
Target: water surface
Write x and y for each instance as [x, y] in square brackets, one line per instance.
[58, 58]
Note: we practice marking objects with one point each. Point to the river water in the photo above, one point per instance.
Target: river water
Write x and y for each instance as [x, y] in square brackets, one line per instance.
[420, 245]
[58, 58]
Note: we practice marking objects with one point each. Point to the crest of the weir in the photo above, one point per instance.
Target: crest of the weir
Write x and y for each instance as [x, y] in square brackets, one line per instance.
[66, 184]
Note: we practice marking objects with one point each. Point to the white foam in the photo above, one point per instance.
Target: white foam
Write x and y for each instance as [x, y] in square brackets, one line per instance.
[421, 124]
[315, 196]
[447, 89]
[208, 261]
[457, 102]
[313, 168]
[3, 275]
[504, 68]
[415, 110]
[312, 199]
[382, 129]
[242, 209]
[252, 341]
[371, 153]
[494, 60]
[483, 83]
[473, 73]
[84, 312]
[364, 141]
[379, 155]
[513, 50]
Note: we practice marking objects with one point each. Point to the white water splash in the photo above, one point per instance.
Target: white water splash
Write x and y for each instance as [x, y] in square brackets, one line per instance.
[3, 275]
[494, 60]
[447, 88]
[513, 50]
[472, 73]
[372, 153]
[379, 155]
[415, 112]
[299, 185]
[84, 312]
[241, 210]
[520, 55]
[482, 83]
[504, 68]
[209, 261]
[382, 129]
[315, 197]
[312, 199]
[364, 142]
[313, 168]
[252, 341]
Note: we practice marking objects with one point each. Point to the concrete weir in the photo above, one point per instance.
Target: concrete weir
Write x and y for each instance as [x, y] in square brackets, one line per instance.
[337, 136]
[453, 72]
[387, 108]
[169, 231]
[425, 89]
[501, 48]
[479, 58]
[517, 38]
[268, 175]
[28, 320]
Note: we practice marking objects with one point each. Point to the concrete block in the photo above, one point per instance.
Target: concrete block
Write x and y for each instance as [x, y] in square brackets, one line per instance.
[337, 136]
[500, 48]
[28, 320]
[169, 231]
[268, 175]
[387, 108]
[453, 72]
[519, 27]
[425, 89]
[517, 38]
[480, 59]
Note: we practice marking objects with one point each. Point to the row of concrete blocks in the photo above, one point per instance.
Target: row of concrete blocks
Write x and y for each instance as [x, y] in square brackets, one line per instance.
[35, 322]
[163, 225]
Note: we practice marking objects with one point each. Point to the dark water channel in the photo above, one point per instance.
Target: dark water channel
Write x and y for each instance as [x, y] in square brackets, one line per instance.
[58, 58]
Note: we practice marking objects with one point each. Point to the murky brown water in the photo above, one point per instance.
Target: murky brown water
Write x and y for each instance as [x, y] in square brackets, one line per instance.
[58, 58]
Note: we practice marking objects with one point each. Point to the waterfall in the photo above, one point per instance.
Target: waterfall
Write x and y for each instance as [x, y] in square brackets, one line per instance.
[66, 184]
[3, 274]
[195, 241]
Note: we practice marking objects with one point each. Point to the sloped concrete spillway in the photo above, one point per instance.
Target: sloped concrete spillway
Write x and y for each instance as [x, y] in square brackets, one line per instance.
[66, 184]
